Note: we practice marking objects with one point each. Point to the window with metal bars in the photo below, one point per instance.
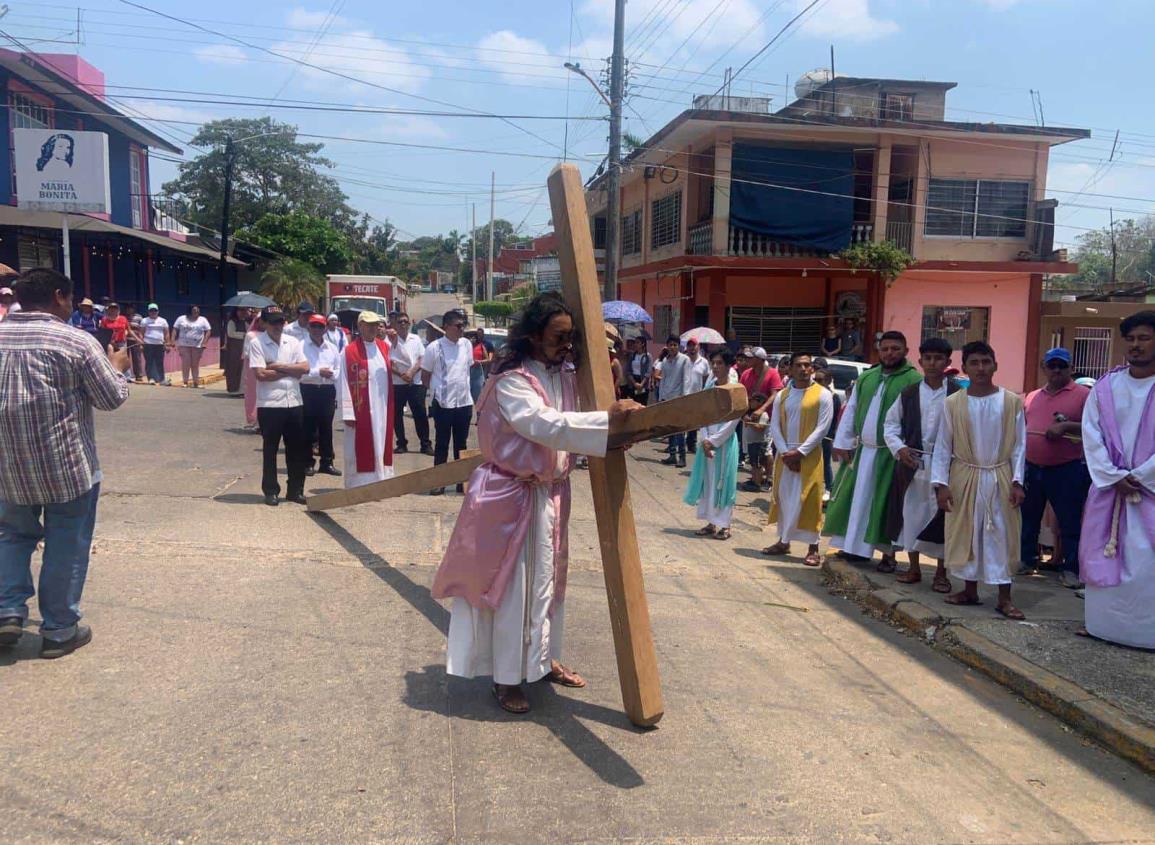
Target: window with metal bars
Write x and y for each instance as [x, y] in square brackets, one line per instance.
[977, 208]
[778, 329]
[29, 113]
[957, 324]
[632, 232]
[666, 220]
[1091, 351]
[897, 106]
[598, 231]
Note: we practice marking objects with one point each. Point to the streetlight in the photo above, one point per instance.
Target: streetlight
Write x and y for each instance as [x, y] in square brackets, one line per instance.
[575, 67]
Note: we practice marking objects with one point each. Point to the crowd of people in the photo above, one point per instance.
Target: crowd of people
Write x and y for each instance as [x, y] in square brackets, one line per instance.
[940, 463]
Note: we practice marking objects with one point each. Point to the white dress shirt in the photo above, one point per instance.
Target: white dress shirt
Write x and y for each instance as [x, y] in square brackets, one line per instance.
[295, 329]
[406, 353]
[449, 364]
[284, 392]
[325, 355]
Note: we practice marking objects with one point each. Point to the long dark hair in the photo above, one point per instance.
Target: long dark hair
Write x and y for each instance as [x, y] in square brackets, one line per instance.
[531, 323]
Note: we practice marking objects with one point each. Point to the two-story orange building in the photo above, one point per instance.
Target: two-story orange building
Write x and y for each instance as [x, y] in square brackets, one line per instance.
[731, 219]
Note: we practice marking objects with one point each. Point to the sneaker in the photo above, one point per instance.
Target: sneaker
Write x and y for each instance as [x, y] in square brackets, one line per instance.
[401, 450]
[1028, 569]
[11, 629]
[826, 497]
[681, 462]
[670, 461]
[51, 649]
[1071, 581]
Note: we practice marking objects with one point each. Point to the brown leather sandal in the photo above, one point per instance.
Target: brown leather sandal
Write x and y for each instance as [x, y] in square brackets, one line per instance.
[507, 702]
[566, 677]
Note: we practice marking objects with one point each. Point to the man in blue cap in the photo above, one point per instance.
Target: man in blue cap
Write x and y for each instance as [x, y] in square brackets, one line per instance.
[1056, 470]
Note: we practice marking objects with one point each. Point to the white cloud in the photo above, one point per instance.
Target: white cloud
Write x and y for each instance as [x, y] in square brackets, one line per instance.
[411, 128]
[357, 53]
[301, 18]
[221, 54]
[848, 19]
[517, 59]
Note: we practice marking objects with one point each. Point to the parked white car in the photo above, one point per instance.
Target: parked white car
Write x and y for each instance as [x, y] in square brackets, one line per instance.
[845, 372]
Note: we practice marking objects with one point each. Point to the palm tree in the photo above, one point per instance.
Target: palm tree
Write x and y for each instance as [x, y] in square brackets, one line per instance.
[289, 280]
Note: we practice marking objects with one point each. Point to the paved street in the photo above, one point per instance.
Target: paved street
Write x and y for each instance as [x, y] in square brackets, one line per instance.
[260, 675]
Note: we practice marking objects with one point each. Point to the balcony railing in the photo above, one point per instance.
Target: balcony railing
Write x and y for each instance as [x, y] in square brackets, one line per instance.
[900, 233]
[748, 244]
[701, 238]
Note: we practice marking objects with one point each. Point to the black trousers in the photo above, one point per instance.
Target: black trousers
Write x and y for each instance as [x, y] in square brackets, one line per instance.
[1065, 486]
[412, 395]
[320, 403]
[450, 422]
[288, 424]
[154, 361]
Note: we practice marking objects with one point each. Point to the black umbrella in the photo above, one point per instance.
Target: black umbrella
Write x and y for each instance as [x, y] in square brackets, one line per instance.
[245, 299]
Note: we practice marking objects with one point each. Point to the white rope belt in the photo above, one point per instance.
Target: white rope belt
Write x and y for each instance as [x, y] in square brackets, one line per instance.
[989, 517]
[1112, 546]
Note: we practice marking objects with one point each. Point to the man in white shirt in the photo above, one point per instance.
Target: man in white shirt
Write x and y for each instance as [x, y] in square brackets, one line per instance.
[699, 372]
[278, 362]
[319, 394]
[300, 328]
[677, 374]
[445, 368]
[157, 339]
[408, 389]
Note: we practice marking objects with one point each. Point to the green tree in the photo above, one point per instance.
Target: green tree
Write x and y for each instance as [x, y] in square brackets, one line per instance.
[273, 173]
[288, 281]
[1135, 255]
[304, 237]
[502, 234]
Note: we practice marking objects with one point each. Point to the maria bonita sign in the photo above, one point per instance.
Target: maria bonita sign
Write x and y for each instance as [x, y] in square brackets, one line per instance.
[62, 170]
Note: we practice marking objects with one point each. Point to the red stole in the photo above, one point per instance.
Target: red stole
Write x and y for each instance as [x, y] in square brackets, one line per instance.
[357, 372]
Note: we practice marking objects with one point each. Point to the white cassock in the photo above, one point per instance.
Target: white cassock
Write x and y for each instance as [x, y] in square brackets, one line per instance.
[708, 510]
[844, 438]
[517, 641]
[379, 382]
[989, 552]
[1126, 613]
[919, 506]
[789, 486]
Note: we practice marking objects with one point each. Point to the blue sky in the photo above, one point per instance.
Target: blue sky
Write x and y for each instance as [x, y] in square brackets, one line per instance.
[1090, 61]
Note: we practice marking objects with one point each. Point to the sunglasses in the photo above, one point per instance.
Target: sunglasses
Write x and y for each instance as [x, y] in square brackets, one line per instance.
[1057, 365]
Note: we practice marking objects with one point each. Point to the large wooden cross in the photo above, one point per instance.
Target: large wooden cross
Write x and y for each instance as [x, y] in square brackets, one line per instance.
[609, 480]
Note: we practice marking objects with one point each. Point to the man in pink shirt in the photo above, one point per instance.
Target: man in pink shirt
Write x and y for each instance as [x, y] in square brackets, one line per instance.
[1056, 471]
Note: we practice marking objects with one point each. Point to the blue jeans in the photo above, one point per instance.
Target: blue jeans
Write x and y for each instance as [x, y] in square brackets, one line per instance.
[1065, 486]
[67, 533]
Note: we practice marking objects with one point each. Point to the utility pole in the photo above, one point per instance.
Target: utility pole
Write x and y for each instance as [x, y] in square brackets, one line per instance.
[1114, 250]
[224, 265]
[613, 199]
[492, 213]
[473, 264]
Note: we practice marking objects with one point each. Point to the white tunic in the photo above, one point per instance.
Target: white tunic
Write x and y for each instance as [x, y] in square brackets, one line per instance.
[844, 438]
[378, 408]
[1126, 613]
[788, 488]
[715, 435]
[919, 506]
[989, 552]
[517, 641]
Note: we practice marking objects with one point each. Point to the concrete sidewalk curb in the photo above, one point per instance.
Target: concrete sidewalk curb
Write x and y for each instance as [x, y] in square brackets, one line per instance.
[1106, 724]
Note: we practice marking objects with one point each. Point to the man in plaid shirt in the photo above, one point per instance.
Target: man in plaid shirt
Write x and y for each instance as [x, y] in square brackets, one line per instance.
[51, 377]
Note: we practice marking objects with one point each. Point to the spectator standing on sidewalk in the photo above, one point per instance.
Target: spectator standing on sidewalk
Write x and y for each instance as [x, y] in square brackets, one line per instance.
[50, 476]
[278, 362]
[299, 328]
[85, 317]
[319, 395]
[116, 325]
[256, 326]
[135, 339]
[7, 300]
[232, 355]
[638, 367]
[157, 339]
[336, 334]
[482, 357]
[408, 388]
[677, 378]
[1056, 471]
[699, 374]
[445, 368]
[191, 333]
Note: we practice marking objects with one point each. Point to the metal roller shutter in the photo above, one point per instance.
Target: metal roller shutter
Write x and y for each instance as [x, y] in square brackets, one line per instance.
[779, 329]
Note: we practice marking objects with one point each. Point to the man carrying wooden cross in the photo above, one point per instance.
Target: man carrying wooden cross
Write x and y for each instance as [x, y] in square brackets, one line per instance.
[505, 565]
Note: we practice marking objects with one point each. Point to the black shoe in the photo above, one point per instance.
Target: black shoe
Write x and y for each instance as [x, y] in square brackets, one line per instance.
[310, 471]
[330, 470]
[50, 649]
[682, 462]
[437, 491]
[297, 498]
[401, 450]
[693, 450]
[427, 450]
[670, 461]
[272, 500]
[460, 488]
[11, 628]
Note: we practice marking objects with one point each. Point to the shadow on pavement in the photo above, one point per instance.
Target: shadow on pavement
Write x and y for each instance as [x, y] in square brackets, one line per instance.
[432, 690]
[414, 593]
[241, 498]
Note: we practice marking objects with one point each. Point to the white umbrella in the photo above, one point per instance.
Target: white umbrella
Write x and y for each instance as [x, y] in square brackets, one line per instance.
[703, 334]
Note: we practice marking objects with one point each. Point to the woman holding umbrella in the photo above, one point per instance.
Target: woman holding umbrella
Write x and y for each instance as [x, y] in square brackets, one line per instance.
[236, 328]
